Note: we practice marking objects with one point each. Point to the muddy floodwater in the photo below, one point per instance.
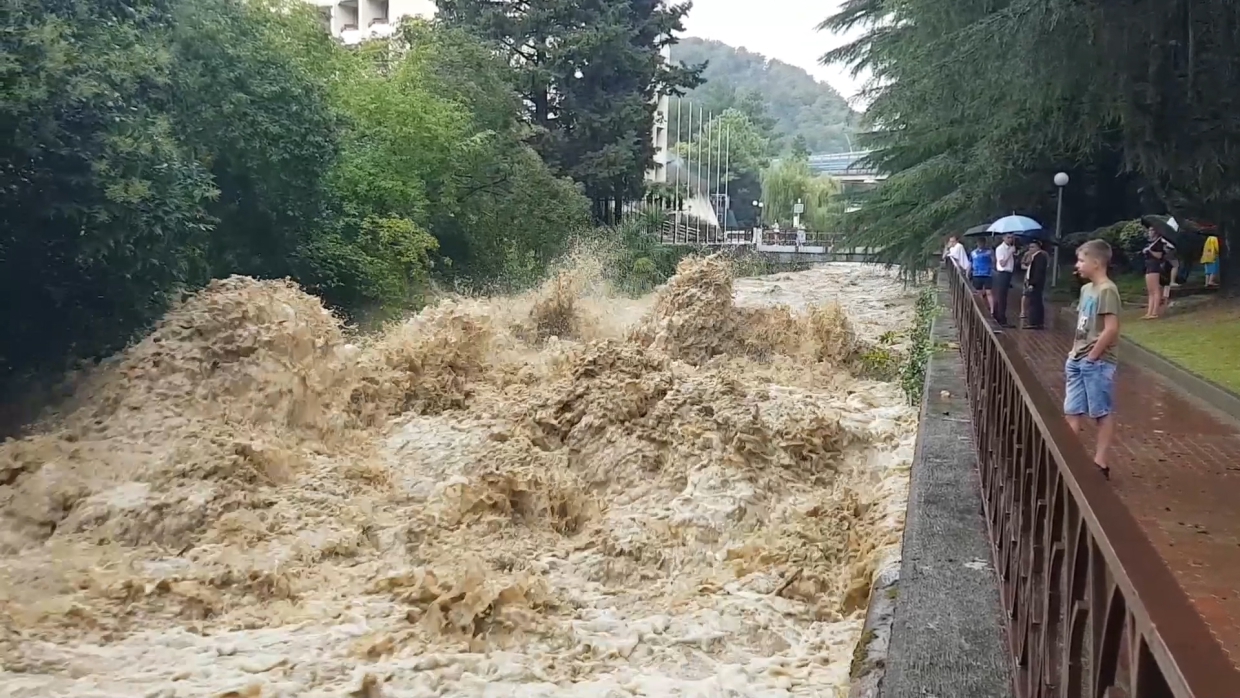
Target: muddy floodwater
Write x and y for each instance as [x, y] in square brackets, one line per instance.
[559, 494]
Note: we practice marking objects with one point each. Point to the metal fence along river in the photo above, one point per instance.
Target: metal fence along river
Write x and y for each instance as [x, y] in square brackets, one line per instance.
[1092, 609]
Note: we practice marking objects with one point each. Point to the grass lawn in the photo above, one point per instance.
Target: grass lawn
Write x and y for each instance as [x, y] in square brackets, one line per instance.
[1131, 288]
[1204, 340]
[1202, 337]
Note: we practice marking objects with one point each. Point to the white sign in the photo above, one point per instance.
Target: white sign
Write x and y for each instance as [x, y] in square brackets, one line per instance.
[798, 208]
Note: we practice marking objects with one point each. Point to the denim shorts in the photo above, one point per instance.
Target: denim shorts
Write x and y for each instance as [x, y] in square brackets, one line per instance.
[1211, 268]
[1089, 388]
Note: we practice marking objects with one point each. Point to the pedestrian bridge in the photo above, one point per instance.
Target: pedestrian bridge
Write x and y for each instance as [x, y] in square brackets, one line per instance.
[786, 246]
[1101, 588]
[846, 167]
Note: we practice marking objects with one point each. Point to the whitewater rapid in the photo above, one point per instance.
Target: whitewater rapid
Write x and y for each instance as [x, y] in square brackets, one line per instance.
[564, 494]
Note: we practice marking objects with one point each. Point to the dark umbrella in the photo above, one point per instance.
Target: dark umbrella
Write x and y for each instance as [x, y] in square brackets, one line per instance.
[979, 231]
[1170, 225]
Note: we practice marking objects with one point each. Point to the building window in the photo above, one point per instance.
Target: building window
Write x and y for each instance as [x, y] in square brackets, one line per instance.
[348, 15]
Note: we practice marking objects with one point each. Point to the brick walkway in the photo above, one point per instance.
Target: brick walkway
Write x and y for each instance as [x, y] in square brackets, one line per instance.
[1177, 467]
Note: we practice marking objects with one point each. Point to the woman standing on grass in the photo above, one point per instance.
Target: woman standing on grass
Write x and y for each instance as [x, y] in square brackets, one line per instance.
[1155, 259]
[1209, 261]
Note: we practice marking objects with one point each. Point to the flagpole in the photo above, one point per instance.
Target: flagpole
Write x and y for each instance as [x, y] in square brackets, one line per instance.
[676, 186]
[727, 175]
[719, 172]
[689, 173]
[710, 132]
[701, 132]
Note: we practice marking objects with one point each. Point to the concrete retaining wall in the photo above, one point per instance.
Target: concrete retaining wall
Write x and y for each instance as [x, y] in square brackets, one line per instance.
[935, 626]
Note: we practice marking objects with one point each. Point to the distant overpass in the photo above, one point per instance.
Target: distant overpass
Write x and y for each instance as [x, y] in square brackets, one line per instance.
[846, 167]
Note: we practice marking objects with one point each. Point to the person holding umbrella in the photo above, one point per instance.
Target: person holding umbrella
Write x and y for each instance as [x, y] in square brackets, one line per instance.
[1156, 258]
[1005, 265]
[1010, 227]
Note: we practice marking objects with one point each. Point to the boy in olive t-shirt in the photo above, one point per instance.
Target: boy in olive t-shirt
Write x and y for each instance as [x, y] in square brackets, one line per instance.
[1090, 371]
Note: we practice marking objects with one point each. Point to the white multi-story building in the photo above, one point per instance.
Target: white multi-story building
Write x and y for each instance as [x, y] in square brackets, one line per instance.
[354, 20]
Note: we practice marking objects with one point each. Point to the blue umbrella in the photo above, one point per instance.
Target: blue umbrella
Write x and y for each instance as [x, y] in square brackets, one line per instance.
[1016, 225]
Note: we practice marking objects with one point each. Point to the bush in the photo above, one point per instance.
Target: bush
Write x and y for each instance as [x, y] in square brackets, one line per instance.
[379, 264]
[1127, 240]
[913, 374]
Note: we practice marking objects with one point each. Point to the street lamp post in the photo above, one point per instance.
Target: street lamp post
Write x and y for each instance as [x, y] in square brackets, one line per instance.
[1061, 181]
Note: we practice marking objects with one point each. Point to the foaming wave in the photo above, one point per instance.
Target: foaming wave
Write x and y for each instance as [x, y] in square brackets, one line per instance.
[563, 487]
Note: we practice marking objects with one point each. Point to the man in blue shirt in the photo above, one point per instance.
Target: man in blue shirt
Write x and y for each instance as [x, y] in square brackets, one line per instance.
[983, 264]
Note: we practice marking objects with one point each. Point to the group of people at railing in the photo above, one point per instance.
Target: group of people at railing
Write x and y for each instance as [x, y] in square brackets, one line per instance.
[980, 280]
[992, 272]
[1089, 370]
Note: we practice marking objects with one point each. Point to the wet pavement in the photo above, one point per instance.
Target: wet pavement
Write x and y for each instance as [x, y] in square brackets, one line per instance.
[1176, 464]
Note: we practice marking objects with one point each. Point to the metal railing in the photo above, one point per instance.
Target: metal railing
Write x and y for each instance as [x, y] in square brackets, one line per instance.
[682, 232]
[1092, 609]
[686, 231]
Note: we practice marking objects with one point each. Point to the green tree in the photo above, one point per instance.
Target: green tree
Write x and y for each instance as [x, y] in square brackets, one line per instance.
[103, 208]
[253, 112]
[150, 147]
[800, 147]
[747, 150]
[504, 202]
[978, 104]
[791, 181]
[589, 71]
[434, 138]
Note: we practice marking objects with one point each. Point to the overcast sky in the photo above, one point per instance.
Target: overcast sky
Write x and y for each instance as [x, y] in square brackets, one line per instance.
[781, 29]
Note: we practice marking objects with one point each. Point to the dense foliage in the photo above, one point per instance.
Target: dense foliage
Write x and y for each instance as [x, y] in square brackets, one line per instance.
[977, 103]
[150, 145]
[795, 111]
[588, 72]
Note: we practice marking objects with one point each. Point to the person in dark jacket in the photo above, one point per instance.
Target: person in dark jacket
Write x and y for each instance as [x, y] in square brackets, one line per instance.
[1035, 285]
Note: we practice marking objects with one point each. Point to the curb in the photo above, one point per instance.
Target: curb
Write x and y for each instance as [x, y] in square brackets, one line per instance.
[1184, 380]
[869, 661]
[1189, 383]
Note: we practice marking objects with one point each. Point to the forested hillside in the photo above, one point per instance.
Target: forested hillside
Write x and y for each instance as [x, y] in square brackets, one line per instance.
[801, 110]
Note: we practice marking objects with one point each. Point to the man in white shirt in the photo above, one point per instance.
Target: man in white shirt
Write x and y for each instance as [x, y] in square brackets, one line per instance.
[956, 253]
[1005, 265]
